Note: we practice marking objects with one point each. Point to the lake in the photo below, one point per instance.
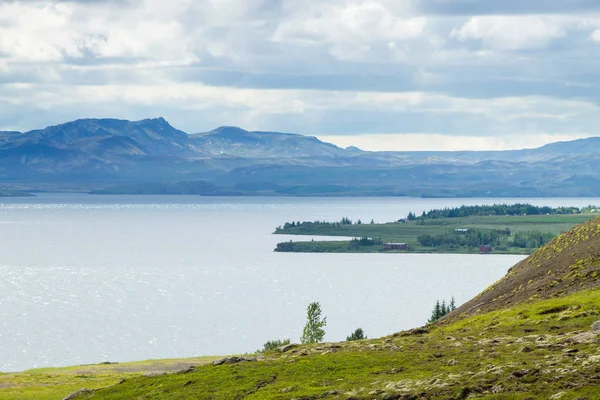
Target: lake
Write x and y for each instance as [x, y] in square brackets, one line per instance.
[87, 279]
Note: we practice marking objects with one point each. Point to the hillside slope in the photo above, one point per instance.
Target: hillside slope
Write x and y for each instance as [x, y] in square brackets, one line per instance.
[530, 343]
[569, 263]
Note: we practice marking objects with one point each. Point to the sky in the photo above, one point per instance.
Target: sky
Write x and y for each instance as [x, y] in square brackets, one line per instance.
[377, 74]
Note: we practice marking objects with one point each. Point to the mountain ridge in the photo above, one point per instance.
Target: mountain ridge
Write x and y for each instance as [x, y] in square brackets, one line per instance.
[99, 153]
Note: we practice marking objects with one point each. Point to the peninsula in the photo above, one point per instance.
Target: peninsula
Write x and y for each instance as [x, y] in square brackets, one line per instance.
[500, 229]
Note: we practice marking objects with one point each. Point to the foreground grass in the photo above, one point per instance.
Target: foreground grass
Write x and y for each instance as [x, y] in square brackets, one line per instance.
[409, 231]
[56, 383]
[532, 351]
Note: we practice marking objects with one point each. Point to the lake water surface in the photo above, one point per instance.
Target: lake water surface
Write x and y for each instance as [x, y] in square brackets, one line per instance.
[86, 279]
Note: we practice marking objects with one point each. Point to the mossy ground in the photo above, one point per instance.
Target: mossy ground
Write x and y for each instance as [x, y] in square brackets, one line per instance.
[534, 350]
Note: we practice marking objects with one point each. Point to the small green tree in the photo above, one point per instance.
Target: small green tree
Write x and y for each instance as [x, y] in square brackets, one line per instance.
[358, 334]
[313, 330]
[436, 313]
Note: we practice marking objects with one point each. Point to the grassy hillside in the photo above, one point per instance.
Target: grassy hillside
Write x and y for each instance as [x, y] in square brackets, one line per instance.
[408, 232]
[528, 336]
[531, 351]
[56, 383]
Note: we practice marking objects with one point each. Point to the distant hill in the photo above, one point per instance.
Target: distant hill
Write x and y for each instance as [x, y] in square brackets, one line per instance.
[237, 142]
[95, 154]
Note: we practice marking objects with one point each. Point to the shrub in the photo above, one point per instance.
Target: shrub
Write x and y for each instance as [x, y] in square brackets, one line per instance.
[358, 334]
[274, 344]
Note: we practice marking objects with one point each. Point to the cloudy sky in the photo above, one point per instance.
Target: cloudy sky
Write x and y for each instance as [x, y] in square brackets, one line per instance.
[380, 74]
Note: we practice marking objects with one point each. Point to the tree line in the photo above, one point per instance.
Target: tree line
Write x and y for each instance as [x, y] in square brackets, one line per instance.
[496, 209]
[312, 224]
[491, 237]
[314, 331]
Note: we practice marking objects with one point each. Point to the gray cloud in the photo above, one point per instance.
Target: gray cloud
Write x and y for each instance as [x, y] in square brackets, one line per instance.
[333, 68]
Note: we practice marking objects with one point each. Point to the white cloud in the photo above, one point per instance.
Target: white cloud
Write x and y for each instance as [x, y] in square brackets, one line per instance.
[32, 33]
[351, 29]
[442, 142]
[512, 32]
[233, 62]
[198, 105]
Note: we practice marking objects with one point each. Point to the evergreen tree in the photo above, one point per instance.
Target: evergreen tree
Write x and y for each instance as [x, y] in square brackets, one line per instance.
[358, 334]
[313, 330]
[441, 309]
[436, 313]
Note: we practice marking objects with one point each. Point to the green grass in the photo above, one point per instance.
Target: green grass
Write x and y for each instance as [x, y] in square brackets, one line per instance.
[56, 383]
[409, 231]
[480, 357]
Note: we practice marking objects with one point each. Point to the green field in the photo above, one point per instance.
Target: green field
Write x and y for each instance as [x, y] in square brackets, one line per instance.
[56, 383]
[408, 232]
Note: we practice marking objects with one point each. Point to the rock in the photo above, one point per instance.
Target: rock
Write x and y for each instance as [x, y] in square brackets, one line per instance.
[77, 393]
[520, 374]
[526, 350]
[286, 390]
[403, 396]
[596, 327]
[287, 347]
[557, 396]
[496, 389]
[189, 369]
[581, 338]
[332, 393]
[232, 360]
[453, 362]
[571, 351]
[153, 374]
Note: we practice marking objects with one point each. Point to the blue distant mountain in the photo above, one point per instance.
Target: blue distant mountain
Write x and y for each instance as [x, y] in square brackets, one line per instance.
[151, 156]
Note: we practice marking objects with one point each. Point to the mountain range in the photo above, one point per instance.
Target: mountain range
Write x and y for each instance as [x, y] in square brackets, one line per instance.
[151, 156]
